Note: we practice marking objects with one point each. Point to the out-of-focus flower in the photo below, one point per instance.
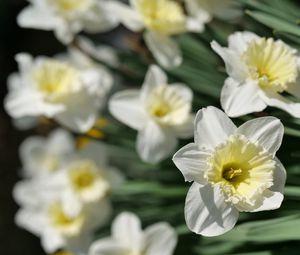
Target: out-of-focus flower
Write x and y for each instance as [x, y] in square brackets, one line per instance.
[43, 156]
[225, 9]
[161, 113]
[259, 71]
[68, 17]
[129, 238]
[233, 170]
[161, 19]
[70, 93]
[87, 178]
[47, 218]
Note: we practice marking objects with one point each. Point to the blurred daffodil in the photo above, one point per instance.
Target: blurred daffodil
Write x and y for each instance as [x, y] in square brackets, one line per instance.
[232, 169]
[129, 238]
[71, 92]
[68, 17]
[162, 19]
[160, 112]
[43, 156]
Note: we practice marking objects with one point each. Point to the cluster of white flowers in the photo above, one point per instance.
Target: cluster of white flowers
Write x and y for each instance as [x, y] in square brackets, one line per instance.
[64, 196]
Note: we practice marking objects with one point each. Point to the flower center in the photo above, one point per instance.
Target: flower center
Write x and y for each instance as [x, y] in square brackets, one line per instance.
[62, 222]
[231, 172]
[56, 79]
[242, 169]
[83, 175]
[66, 6]
[272, 63]
[167, 106]
[163, 16]
[88, 181]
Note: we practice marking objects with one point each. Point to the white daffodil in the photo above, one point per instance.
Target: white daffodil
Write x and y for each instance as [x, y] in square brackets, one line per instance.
[259, 71]
[46, 218]
[68, 17]
[129, 238]
[69, 93]
[161, 113]
[233, 170]
[225, 9]
[161, 19]
[86, 179]
[43, 156]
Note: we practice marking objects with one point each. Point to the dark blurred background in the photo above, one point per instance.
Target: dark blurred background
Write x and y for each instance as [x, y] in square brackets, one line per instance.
[13, 39]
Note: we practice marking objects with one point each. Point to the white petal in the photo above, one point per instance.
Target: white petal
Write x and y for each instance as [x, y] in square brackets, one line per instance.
[271, 201]
[192, 162]
[25, 193]
[32, 221]
[95, 219]
[196, 12]
[107, 247]
[160, 239]
[35, 17]
[126, 15]
[206, 211]
[186, 129]
[60, 142]
[164, 49]
[276, 100]
[212, 127]
[51, 241]
[241, 99]
[25, 62]
[64, 32]
[70, 203]
[234, 65]
[279, 177]
[81, 111]
[100, 18]
[184, 91]
[155, 143]
[265, 131]
[155, 77]
[126, 229]
[26, 102]
[126, 106]
[239, 41]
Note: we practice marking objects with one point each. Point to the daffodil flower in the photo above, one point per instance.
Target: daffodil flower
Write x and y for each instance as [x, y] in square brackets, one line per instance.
[43, 156]
[70, 93]
[65, 206]
[162, 19]
[86, 178]
[232, 169]
[68, 17]
[260, 70]
[82, 178]
[160, 112]
[129, 238]
[47, 219]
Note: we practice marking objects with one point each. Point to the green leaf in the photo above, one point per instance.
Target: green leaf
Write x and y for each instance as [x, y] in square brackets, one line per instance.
[275, 23]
